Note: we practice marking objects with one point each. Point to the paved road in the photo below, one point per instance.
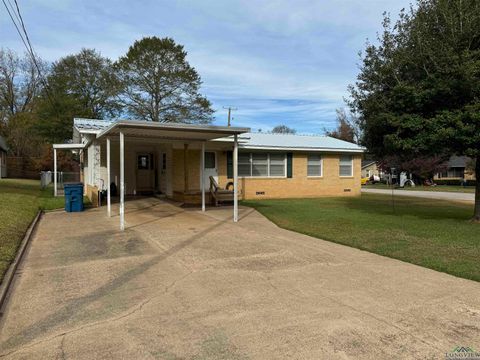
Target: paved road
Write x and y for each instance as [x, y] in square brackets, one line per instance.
[454, 196]
[179, 284]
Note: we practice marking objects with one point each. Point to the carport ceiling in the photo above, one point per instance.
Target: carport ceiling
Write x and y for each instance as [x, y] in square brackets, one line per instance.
[148, 129]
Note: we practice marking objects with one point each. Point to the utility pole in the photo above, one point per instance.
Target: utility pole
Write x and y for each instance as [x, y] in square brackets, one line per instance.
[230, 109]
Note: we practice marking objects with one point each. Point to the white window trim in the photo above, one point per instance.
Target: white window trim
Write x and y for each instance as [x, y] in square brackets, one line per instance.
[268, 169]
[321, 169]
[351, 168]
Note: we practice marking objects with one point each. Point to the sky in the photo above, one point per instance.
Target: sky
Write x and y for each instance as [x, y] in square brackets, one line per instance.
[275, 61]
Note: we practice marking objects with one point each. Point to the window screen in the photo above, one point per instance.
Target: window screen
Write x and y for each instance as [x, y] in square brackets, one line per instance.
[314, 165]
[244, 165]
[277, 164]
[209, 160]
[259, 164]
[346, 165]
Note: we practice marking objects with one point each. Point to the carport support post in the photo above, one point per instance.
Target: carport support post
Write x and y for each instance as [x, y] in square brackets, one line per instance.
[122, 182]
[54, 172]
[202, 175]
[109, 206]
[235, 178]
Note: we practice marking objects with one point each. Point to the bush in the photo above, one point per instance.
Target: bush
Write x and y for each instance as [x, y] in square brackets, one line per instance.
[455, 182]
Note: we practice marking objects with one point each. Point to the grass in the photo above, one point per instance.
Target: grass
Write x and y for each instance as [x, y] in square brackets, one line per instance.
[446, 188]
[432, 233]
[20, 201]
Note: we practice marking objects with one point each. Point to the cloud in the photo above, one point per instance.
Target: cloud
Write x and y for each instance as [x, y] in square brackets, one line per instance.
[277, 61]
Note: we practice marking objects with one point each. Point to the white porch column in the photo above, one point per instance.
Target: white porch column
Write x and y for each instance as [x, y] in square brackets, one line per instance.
[122, 182]
[54, 172]
[202, 175]
[109, 205]
[235, 178]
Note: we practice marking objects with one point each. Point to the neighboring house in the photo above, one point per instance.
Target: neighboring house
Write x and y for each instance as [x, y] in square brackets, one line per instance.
[3, 157]
[457, 169]
[369, 168]
[165, 158]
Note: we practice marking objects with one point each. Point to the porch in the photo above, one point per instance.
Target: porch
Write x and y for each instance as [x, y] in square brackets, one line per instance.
[141, 157]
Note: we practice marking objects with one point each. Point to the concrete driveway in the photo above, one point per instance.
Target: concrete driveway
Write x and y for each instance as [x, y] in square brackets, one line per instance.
[440, 195]
[178, 284]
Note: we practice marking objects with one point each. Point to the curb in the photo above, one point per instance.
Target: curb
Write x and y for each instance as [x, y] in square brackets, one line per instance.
[10, 274]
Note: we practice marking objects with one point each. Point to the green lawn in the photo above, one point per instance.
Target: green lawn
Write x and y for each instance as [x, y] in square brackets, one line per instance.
[19, 203]
[431, 233]
[447, 188]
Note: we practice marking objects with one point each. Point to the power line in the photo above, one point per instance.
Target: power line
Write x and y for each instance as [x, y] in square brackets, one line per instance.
[13, 10]
[14, 23]
[26, 35]
[28, 45]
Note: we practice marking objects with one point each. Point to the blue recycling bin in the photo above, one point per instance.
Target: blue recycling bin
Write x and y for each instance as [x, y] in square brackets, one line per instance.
[73, 197]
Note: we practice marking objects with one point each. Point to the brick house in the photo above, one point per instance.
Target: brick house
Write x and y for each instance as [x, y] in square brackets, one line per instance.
[457, 169]
[166, 159]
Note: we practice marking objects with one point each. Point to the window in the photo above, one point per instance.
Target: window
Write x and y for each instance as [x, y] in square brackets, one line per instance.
[314, 165]
[262, 165]
[453, 172]
[210, 160]
[346, 165]
[456, 172]
[277, 165]
[259, 164]
[143, 162]
[164, 161]
[244, 164]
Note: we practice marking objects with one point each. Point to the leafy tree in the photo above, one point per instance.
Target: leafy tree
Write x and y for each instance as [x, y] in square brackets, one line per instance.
[89, 78]
[160, 85]
[283, 129]
[82, 84]
[347, 128]
[55, 113]
[421, 167]
[21, 137]
[418, 90]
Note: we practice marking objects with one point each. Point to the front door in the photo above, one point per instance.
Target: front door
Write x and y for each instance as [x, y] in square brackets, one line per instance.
[210, 168]
[145, 173]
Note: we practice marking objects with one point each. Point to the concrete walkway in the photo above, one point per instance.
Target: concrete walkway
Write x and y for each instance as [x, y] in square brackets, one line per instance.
[179, 284]
[441, 195]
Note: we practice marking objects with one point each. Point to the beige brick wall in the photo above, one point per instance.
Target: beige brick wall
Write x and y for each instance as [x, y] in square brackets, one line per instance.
[300, 185]
[330, 184]
[92, 193]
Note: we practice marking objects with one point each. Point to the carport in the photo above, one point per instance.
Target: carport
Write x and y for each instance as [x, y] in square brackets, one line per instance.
[163, 132]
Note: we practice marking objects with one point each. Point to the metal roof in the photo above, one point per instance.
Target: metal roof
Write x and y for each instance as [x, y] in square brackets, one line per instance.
[91, 125]
[261, 141]
[297, 142]
[170, 131]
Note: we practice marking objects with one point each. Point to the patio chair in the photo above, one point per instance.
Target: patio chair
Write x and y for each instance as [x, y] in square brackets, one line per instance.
[219, 194]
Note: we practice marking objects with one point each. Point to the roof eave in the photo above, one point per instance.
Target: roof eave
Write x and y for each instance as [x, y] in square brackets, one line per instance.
[290, 148]
[224, 130]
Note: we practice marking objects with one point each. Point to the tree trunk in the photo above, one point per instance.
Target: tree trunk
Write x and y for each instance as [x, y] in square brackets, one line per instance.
[476, 212]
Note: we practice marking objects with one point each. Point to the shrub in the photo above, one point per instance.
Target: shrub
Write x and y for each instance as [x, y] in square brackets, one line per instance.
[455, 182]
